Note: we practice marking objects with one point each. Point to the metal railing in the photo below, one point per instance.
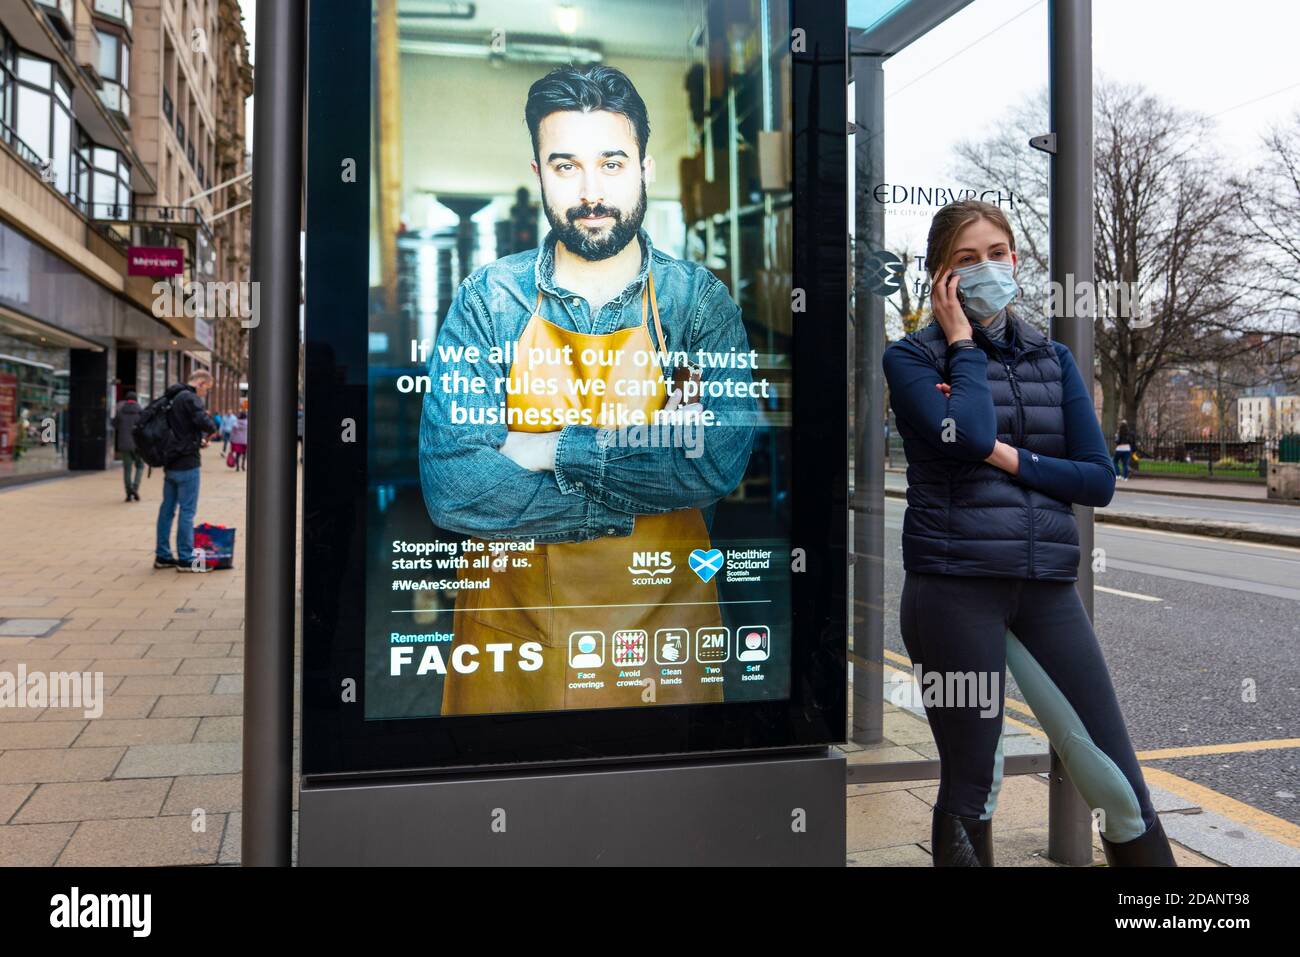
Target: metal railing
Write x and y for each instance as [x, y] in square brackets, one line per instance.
[25, 152]
[1202, 453]
[1185, 453]
[144, 214]
[114, 96]
[109, 212]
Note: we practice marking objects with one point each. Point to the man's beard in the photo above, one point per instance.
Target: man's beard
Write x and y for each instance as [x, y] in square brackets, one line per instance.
[578, 240]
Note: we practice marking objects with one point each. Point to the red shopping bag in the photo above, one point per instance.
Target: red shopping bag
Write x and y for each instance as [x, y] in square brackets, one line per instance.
[230, 460]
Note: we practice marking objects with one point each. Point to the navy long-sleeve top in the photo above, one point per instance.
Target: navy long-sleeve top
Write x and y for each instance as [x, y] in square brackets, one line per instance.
[1085, 477]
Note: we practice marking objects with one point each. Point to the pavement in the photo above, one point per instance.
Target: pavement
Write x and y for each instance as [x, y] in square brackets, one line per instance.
[155, 780]
[1224, 509]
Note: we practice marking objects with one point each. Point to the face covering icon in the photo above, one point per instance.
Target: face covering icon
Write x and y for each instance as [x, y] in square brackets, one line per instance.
[985, 288]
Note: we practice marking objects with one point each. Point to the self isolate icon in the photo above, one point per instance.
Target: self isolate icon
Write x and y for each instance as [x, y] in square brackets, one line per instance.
[753, 643]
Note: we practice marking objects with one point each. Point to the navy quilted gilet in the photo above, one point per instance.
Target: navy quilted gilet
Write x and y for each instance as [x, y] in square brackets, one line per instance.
[971, 518]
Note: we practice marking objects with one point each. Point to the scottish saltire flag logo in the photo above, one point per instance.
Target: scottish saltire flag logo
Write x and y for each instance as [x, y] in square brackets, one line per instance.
[706, 564]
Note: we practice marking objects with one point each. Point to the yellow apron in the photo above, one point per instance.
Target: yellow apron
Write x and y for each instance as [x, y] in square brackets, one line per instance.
[596, 589]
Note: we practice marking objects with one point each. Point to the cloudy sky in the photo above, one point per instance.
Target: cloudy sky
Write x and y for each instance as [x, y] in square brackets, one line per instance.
[959, 80]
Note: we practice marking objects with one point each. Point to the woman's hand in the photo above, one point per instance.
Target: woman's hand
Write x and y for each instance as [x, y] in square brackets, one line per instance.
[532, 451]
[946, 307]
[1006, 457]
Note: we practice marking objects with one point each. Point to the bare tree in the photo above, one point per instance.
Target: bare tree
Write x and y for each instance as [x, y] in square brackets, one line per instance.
[1269, 204]
[1005, 161]
[913, 295]
[1167, 228]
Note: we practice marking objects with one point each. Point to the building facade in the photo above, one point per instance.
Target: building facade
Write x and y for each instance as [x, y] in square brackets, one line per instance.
[119, 122]
[1264, 413]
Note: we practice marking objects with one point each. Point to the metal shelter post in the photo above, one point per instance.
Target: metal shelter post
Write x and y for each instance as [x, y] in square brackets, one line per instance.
[1070, 40]
[868, 50]
[272, 470]
[869, 400]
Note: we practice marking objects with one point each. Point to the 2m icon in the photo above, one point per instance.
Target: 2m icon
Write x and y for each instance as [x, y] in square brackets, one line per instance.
[712, 645]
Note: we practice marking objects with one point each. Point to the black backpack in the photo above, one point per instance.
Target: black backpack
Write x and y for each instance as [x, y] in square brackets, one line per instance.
[155, 439]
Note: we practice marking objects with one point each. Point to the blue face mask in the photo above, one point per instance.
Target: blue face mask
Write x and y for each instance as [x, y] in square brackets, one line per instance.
[986, 288]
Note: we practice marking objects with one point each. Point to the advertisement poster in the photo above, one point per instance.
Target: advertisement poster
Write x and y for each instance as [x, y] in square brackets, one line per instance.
[579, 360]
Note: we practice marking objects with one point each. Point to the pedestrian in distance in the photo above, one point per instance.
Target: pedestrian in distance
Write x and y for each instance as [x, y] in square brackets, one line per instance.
[239, 440]
[125, 416]
[227, 425]
[1123, 449]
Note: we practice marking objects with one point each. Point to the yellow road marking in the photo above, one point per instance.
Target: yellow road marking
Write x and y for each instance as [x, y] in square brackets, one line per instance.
[1276, 744]
[1210, 800]
[1207, 799]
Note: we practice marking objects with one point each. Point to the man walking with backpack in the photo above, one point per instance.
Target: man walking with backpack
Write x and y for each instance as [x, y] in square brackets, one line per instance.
[171, 432]
[125, 416]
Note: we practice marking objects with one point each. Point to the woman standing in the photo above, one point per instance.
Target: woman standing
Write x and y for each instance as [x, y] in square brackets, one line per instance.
[1001, 439]
[1123, 449]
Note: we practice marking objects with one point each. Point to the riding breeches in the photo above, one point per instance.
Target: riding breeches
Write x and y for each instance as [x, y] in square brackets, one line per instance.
[962, 633]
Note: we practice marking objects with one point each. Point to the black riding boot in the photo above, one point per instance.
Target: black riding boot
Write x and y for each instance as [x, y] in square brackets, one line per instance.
[960, 841]
[1150, 850]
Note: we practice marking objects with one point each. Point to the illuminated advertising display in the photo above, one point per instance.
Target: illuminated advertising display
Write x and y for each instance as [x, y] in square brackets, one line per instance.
[575, 313]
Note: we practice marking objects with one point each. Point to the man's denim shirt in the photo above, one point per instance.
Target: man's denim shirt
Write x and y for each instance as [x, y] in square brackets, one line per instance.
[599, 484]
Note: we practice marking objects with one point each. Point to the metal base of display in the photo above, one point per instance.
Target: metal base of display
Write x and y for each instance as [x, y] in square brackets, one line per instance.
[785, 809]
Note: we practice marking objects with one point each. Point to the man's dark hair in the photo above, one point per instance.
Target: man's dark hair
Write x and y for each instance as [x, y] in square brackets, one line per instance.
[131, 396]
[586, 88]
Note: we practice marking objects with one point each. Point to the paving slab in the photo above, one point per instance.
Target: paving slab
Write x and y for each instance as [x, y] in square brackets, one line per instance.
[59, 764]
[136, 731]
[33, 845]
[170, 760]
[215, 793]
[12, 797]
[198, 705]
[39, 734]
[145, 842]
[92, 800]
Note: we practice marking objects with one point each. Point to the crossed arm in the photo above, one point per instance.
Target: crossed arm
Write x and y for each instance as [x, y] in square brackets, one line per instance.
[958, 420]
[579, 483]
